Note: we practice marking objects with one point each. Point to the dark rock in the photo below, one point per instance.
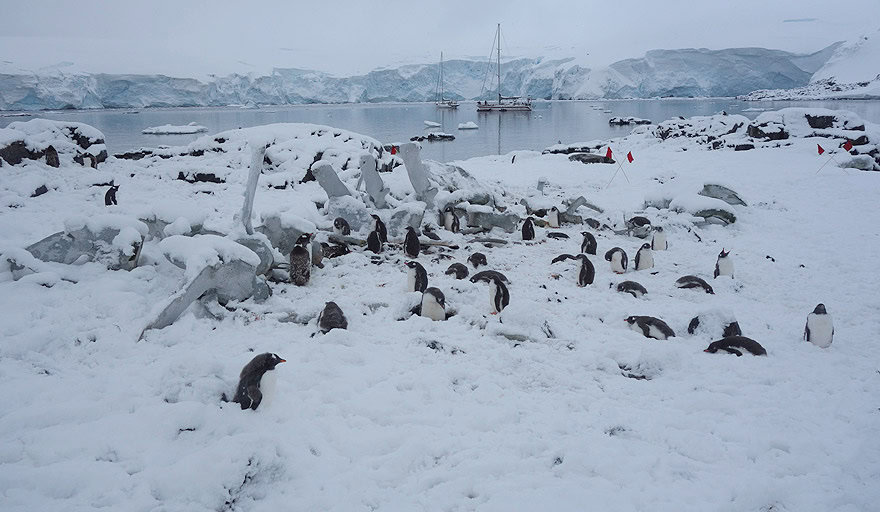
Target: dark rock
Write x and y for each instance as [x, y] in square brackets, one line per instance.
[567, 150]
[624, 121]
[820, 121]
[743, 147]
[590, 158]
[16, 152]
[134, 155]
[205, 177]
[756, 132]
[40, 191]
[52, 157]
[861, 141]
[433, 137]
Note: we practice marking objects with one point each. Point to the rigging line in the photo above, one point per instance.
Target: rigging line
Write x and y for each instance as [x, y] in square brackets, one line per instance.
[488, 63]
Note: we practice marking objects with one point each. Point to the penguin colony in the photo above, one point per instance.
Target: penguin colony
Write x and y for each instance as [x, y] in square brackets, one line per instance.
[256, 378]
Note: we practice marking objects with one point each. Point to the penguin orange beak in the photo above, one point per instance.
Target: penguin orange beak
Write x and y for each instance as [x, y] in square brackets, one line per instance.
[706, 350]
[283, 361]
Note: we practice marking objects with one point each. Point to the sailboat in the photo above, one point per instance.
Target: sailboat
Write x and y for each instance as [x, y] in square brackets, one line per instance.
[441, 102]
[504, 103]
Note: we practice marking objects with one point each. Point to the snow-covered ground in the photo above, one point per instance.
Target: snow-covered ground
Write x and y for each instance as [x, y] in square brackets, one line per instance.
[531, 409]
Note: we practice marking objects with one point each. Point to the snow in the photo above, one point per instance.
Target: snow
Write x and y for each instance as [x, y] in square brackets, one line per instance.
[168, 129]
[530, 409]
[432, 124]
[470, 125]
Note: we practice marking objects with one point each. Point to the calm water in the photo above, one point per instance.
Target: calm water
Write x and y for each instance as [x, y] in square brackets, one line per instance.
[548, 123]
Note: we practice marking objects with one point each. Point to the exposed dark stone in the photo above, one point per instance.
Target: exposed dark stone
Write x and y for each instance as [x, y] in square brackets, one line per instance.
[743, 147]
[308, 177]
[86, 160]
[433, 137]
[568, 150]
[624, 121]
[205, 177]
[134, 155]
[590, 158]
[52, 157]
[16, 152]
[861, 141]
[820, 122]
[197, 152]
[40, 191]
[81, 140]
[756, 132]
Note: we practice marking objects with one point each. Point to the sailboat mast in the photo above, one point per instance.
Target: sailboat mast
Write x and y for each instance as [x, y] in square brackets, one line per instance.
[441, 76]
[499, 63]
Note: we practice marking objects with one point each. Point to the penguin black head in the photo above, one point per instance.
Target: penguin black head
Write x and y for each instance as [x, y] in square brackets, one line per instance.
[554, 209]
[476, 259]
[646, 246]
[712, 348]
[413, 264]
[410, 229]
[265, 362]
[304, 239]
[631, 319]
[339, 223]
[723, 253]
[375, 217]
[437, 294]
[820, 310]
[448, 209]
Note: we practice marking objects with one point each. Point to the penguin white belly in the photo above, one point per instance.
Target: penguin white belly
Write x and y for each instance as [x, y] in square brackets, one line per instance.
[447, 221]
[617, 263]
[267, 387]
[410, 280]
[655, 333]
[725, 267]
[432, 310]
[646, 260]
[553, 219]
[821, 330]
[635, 327]
[659, 242]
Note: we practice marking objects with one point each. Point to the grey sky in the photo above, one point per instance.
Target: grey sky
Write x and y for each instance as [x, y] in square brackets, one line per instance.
[195, 38]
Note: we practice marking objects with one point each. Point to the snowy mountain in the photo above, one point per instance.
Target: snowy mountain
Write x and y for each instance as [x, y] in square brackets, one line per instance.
[685, 72]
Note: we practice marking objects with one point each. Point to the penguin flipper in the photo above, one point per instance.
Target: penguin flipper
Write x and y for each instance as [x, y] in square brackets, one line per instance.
[256, 396]
[807, 332]
[562, 257]
[716, 271]
[734, 351]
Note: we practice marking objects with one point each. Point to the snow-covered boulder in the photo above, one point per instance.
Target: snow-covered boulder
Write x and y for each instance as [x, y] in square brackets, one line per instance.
[110, 239]
[625, 121]
[57, 142]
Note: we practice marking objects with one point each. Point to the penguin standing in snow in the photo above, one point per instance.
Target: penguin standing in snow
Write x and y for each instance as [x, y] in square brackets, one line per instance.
[458, 270]
[341, 226]
[658, 242]
[450, 219]
[411, 244]
[476, 259]
[416, 277]
[820, 328]
[644, 257]
[301, 260]
[331, 317]
[433, 304]
[499, 296]
[736, 345]
[256, 383]
[553, 217]
[724, 265]
[528, 229]
[650, 327]
[618, 259]
[587, 272]
[374, 241]
[379, 227]
[588, 246]
[110, 195]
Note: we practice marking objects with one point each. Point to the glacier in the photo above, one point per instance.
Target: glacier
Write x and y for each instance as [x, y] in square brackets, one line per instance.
[659, 73]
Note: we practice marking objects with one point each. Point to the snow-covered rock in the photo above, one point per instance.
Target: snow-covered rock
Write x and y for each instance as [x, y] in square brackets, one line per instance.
[469, 125]
[53, 141]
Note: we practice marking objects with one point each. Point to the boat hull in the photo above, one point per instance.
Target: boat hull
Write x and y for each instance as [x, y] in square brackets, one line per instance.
[504, 108]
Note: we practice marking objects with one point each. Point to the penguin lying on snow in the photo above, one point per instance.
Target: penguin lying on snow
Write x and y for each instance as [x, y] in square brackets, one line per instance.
[411, 244]
[735, 345]
[650, 327]
[658, 242]
[618, 259]
[433, 304]
[341, 227]
[587, 271]
[256, 382]
[499, 296]
[644, 257]
[588, 246]
[331, 317]
[458, 270]
[528, 229]
[301, 261]
[450, 219]
[556, 235]
[713, 321]
[416, 277]
[487, 275]
[334, 251]
[379, 227]
[820, 328]
[693, 282]
[476, 259]
[631, 287]
[724, 265]
[428, 231]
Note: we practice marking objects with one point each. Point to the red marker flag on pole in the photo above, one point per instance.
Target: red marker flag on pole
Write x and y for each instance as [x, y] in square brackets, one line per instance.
[608, 153]
[821, 149]
[629, 156]
[848, 146]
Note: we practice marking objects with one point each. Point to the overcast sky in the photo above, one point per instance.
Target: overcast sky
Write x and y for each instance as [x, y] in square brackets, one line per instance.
[196, 38]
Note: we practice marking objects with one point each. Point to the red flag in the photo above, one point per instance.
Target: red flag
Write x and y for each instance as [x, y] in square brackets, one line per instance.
[629, 156]
[847, 146]
[821, 149]
[394, 150]
[608, 153]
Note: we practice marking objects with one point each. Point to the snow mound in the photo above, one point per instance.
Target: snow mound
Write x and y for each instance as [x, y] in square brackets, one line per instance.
[194, 253]
[170, 129]
[432, 124]
[56, 141]
[470, 125]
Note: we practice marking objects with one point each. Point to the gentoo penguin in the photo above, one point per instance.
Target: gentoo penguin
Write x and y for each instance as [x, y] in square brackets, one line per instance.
[639, 226]
[650, 327]
[256, 382]
[644, 257]
[331, 317]
[450, 219]
[499, 296]
[110, 195]
[588, 246]
[334, 251]
[735, 345]
[711, 322]
[553, 217]
[428, 231]
[724, 265]
[487, 275]
[317, 251]
[633, 288]
[433, 304]
[820, 329]
[458, 270]
[411, 244]
[341, 227]
[528, 229]
[694, 282]
[658, 242]
[416, 277]
[301, 261]
[379, 227]
[618, 259]
[587, 270]
[374, 242]
[557, 235]
[476, 259]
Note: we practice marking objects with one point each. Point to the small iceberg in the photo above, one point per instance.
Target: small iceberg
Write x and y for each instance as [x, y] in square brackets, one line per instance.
[470, 125]
[432, 124]
[170, 129]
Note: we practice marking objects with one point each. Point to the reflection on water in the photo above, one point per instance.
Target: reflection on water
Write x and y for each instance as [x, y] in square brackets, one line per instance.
[499, 133]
